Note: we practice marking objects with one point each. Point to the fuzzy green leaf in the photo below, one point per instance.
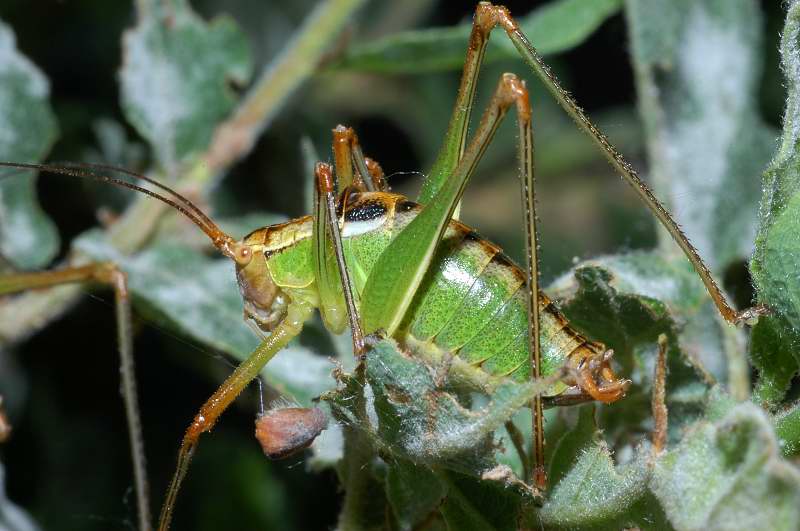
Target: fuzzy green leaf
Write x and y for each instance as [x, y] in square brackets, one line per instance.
[595, 491]
[729, 475]
[556, 27]
[776, 261]
[198, 297]
[787, 429]
[782, 178]
[441, 440]
[777, 254]
[28, 238]
[176, 77]
[568, 447]
[698, 67]
[626, 302]
[473, 505]
[413, 491]
[774, 355]
[425, 422]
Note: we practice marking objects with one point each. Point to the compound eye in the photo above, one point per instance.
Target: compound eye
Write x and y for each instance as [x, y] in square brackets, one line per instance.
[243, 254]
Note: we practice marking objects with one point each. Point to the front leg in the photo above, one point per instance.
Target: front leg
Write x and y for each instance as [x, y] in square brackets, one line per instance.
[335, 287]
[297, 313]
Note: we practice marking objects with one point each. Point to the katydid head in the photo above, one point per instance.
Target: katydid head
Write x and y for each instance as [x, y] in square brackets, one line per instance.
[265, 303]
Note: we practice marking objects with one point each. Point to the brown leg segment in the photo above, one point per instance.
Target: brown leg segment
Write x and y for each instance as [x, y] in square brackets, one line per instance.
[343, 140]
[449, 158]
[376, 172]
[527, 178]
[368, 175]
[109, 274]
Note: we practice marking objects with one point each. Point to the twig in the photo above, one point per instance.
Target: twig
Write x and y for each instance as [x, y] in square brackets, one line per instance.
[658, 401]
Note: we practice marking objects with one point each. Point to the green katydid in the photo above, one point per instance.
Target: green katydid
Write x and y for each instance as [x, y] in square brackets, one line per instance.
[387, 265]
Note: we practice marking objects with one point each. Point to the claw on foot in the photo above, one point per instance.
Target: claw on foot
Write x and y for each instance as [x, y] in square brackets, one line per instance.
[749, 316]
[603, 391]
[590, 371]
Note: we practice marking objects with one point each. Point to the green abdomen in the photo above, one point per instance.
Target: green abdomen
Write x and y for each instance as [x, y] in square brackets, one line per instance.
[472, 301]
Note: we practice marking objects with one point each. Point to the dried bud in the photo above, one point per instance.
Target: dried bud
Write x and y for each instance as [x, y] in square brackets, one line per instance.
[285, 431]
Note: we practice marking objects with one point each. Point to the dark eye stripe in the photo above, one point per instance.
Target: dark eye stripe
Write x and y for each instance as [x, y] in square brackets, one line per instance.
[366, 211]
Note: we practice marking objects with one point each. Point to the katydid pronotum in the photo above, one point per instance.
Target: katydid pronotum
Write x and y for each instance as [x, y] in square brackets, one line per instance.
[384, 253]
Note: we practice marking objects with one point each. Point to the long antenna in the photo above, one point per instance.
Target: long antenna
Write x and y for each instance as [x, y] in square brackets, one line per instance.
[108, 167]
[180, 203]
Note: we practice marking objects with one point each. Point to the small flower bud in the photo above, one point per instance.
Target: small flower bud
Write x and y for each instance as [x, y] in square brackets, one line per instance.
[286, 431]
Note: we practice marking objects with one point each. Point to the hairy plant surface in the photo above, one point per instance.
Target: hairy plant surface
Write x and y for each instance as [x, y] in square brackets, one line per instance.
[217, 105]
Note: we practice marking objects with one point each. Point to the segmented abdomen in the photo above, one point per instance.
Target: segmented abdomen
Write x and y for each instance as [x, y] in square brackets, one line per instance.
[472, 302]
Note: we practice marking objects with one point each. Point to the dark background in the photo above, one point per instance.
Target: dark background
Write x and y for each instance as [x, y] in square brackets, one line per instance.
[67, 462]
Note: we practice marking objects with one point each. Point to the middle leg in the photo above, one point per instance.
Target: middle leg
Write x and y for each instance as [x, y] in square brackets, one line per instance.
[297, 313]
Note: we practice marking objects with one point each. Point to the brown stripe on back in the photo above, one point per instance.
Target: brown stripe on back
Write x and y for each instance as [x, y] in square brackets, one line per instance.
[489, 248]
[551, 309]
[257, 237]
[502, 259]
[565, 328]
[275, 238]
[461, 229]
